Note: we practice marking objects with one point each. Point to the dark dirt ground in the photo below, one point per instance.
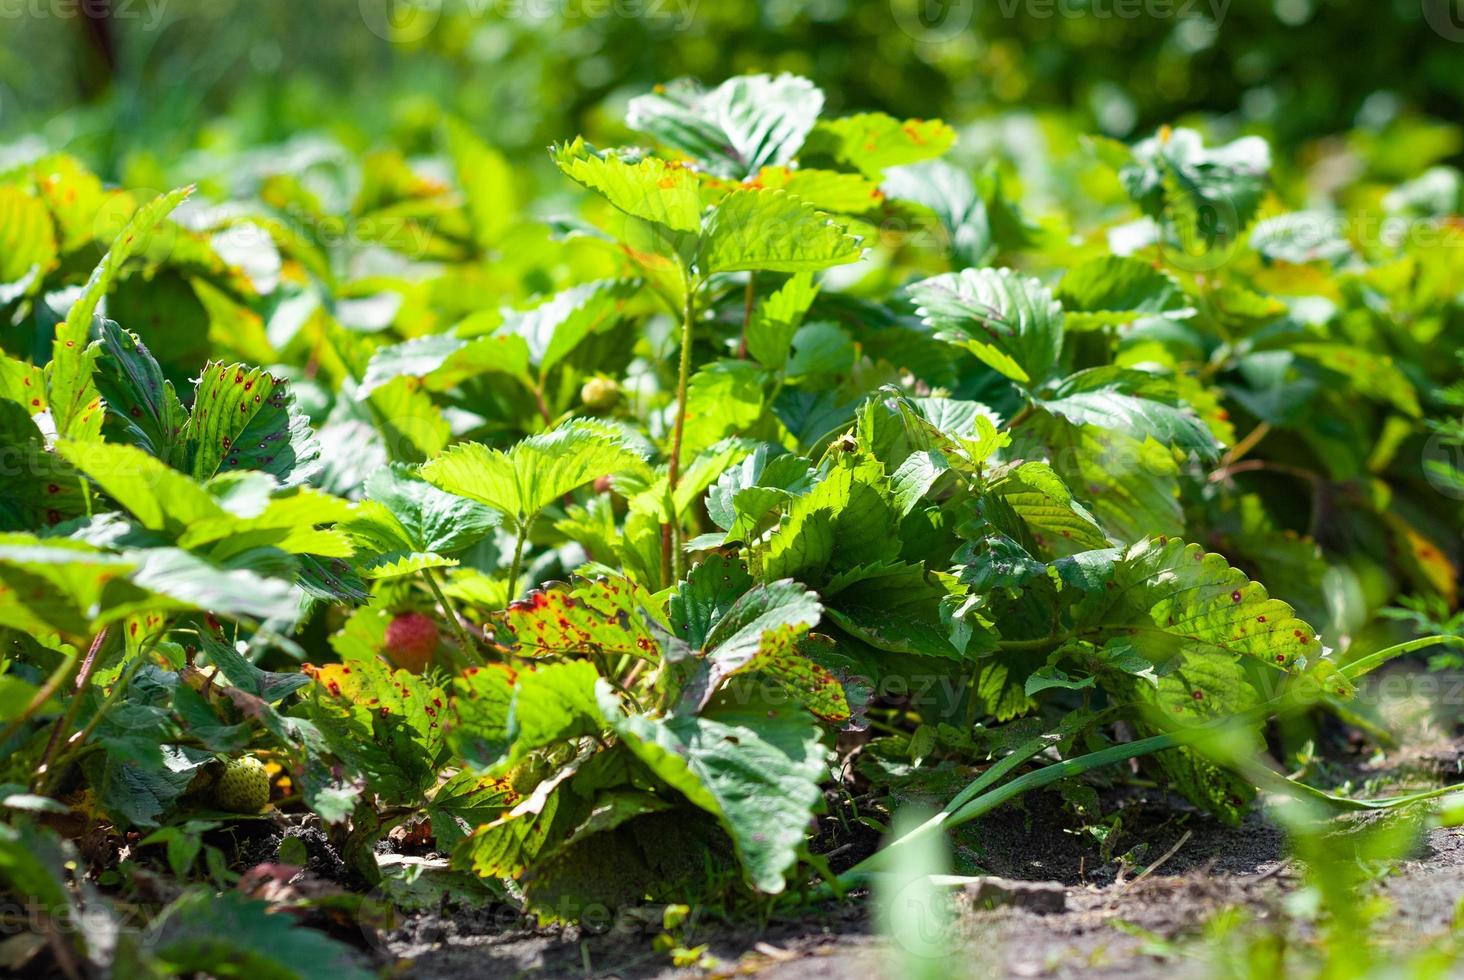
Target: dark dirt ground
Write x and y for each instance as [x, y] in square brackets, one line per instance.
[1119, 920]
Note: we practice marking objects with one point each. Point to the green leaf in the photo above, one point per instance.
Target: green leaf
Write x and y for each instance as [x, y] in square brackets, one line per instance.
[892, 606]
[1170, 599]
[536, 471]
[41, 488]
[1010, 322]
[1114, 290]
[723, 398]
[141, 404]
[949, 194]
[1059, 524]
[1376, 376]
[136, 793]
[770, 333]
[1302, 236]
[757, 771]
[1201, 690]
[443, 361]
[1210, 194]
[873, 142]
[763, 481]
[1139, 404]
[772, 231]
[1130, 484]
[385, 725]
[158, 496]
[487, 181]
[32, 864]
[27, 239]
[847, 519]
[734, 130]
[552, 703]
[230, 935]
[650, 189]
[708, 592]
[195, 583]
[58, 586]
[269, 685]
[481, 702]
[245, 419]
[762, 632]
[427, 518]
[556, 326]
[963, 433]
[75, 405]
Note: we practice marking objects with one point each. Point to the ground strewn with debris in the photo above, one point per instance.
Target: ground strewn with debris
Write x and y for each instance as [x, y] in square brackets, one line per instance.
[1086, 916]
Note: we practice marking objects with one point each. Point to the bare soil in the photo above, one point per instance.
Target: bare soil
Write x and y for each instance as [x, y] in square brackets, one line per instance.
[1131, 909]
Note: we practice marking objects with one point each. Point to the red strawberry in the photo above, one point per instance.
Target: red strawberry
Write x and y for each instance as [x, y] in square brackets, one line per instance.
[411, 640]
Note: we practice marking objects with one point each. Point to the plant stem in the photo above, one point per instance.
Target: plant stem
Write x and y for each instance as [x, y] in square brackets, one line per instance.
[1246, 444]
[78, 743]
[1021, 415]
[518, 558]
[88, 664]
[747, 314]
[465, 640]
[671, 543]
[540, 404]
[1041, 643]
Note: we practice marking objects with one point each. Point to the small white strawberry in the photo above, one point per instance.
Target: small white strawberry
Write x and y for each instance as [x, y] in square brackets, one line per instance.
[244, 786]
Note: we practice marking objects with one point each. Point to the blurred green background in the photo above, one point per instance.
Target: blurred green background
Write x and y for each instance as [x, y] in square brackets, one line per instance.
[157, 78]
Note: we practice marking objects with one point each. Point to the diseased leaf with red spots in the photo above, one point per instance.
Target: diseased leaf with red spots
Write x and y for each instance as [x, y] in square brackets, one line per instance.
[1170, 598]
[386, 726]
[761, 635]
[477, 727]
[610, 616]
[40, 488]
[142, 407]
[76, 406]
[1201, 690]
[245, 419]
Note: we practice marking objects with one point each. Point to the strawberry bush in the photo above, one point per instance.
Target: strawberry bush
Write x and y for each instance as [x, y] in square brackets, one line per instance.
[774, 469]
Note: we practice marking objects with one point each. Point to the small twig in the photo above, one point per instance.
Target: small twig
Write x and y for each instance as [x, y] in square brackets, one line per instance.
[1162, 858]
[1246, 445]
[1251, 465]
[64, 722]
[1270, 872]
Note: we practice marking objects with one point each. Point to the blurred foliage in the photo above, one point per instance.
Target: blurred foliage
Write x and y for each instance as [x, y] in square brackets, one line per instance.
[229, 73]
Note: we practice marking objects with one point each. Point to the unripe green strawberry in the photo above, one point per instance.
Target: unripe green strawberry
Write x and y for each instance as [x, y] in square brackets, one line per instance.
[411, 640]
[600, 394]
[244, 786]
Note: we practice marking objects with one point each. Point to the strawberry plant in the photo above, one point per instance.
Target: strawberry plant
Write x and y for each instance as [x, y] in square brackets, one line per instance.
[603, 551]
